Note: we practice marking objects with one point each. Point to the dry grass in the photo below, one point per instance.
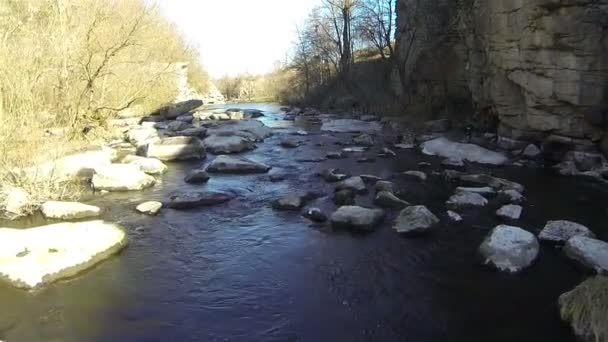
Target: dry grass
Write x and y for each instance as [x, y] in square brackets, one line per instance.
[586, 308]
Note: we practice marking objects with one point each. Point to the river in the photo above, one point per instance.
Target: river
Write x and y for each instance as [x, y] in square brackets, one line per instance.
[244, 272]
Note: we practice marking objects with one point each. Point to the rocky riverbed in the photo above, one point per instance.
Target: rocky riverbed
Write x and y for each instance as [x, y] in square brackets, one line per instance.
[309, 226]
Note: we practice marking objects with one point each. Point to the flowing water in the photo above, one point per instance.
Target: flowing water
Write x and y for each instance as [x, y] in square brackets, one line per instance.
[244, 272]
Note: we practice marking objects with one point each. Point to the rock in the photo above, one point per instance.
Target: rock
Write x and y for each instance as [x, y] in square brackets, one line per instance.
[484, 191]
[351, 126]
[335, 155]
[252, 130]
[385, 186]
[386, 199]
[404, 146]
[357, 218]
[510, 144]
[33, 257]
[495, 182]
[466, 200]
[170, 112]
[293, 201]
[187, 118]
[510, 196]
[17, 202]
[68, 210]
[589, 252]
[509, 212]
[199, 132]
[452, 163]
[586, 309]
[141, 136]
[220, 144]
[354, 183]
[355, 149]
[509, 249]
[369, 179]
[315, 215]
[330, 175]
[197, 176]
[437, 126]
[121, 177]
[454, 217]
[414, 175]
[368, 118]
[562, 231]
[364, 140]
[473, 153]
[415, 220]
[387, 153]
[227, 164]
[151, 208]
[150, 166]
[191, 200]
[532, 151]
[289, 143]
[176, 148]
[300, 133]
[344, 197]
[176, 126]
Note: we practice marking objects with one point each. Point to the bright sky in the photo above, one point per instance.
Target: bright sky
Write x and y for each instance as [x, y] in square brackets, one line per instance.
[236, 36]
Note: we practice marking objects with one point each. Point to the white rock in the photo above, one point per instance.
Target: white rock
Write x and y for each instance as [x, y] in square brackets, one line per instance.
[414, 175]
[149, 208]
[121, 177]
[561, 231]
[357, 218]
[510, 212]
[454, 216]
[69, 210]
[466, 199]
[589, 252]
[484, 191]
[415, 220]
[35, 256]
[176, 148]
[151, 166]
[222, 144]
[473, 153]
[351, 126]
[142, 136]
[509, 248]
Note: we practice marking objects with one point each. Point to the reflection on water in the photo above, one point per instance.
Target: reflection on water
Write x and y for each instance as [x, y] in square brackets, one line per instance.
[243, 272]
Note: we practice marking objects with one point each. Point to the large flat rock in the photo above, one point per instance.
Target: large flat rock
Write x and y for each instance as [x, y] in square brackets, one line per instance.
[176, 148]
[36, 256]
[228, 164]
[351, 126]
[121, 177]
[253, 130]
[458, 151]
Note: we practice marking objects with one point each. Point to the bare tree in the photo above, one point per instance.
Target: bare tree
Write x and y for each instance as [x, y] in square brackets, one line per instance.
[377, 26]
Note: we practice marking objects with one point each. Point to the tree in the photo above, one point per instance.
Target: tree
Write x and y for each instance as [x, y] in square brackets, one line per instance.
[377, 26]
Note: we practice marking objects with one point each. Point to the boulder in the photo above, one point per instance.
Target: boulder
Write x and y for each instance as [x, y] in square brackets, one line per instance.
[197, 176]
[509, 249]
[415, 220]
[586, 309]
[151, 208]
[224, 144]
[357, 218]
[68, 210]
[561, 231]
[414, 175]
[253, 130]
[509, 212]
[354, 183]
[238, 165]
[588, 252]
[151, 166]
[466, 200]
[387, 199]
[191, 200]
[176, 126]
[172, 111]
[315, 215]
[176, 148]
[121, 177]
[187, 118]
[469, 152]
[33, 257]
[351, 126]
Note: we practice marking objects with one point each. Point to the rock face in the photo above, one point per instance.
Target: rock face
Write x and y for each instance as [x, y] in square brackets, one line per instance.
[176, 148]
[227, 164]
[121, 177]
[590, 253]
[415, 220]
[535, 68]
[68, 210]
[509, 249]
[32, 257]
[357, 218]
[562, 231]
[457, 151]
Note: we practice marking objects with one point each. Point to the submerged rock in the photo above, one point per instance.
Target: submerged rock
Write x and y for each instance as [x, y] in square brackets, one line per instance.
[351, 126]
[293, 201]
[590, 253]
[121, 177]
[32, 257]
[149, 208]
[387, 199]
[415, 220]
[290, 142]
[191, 200]
[509, 249]
[561, 231]
[68, 210]
[315, 215]
[466, 200]
[176, 148]
[473, 153]
[357, 218]
[227, 164]
[225, 144]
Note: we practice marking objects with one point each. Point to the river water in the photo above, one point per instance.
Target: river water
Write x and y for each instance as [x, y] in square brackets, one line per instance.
[244, 272]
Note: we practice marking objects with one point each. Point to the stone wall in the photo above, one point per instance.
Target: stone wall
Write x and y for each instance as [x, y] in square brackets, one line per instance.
[536, 68]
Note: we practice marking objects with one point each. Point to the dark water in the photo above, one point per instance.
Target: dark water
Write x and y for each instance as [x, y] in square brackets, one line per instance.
[243, 272]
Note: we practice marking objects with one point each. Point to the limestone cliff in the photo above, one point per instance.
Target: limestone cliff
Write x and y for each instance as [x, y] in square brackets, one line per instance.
[538, 69]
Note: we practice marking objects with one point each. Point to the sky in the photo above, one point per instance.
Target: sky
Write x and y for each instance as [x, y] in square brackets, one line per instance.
[237, 36]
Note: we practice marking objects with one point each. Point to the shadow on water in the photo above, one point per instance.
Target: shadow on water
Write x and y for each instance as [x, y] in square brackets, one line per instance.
[243, 272]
